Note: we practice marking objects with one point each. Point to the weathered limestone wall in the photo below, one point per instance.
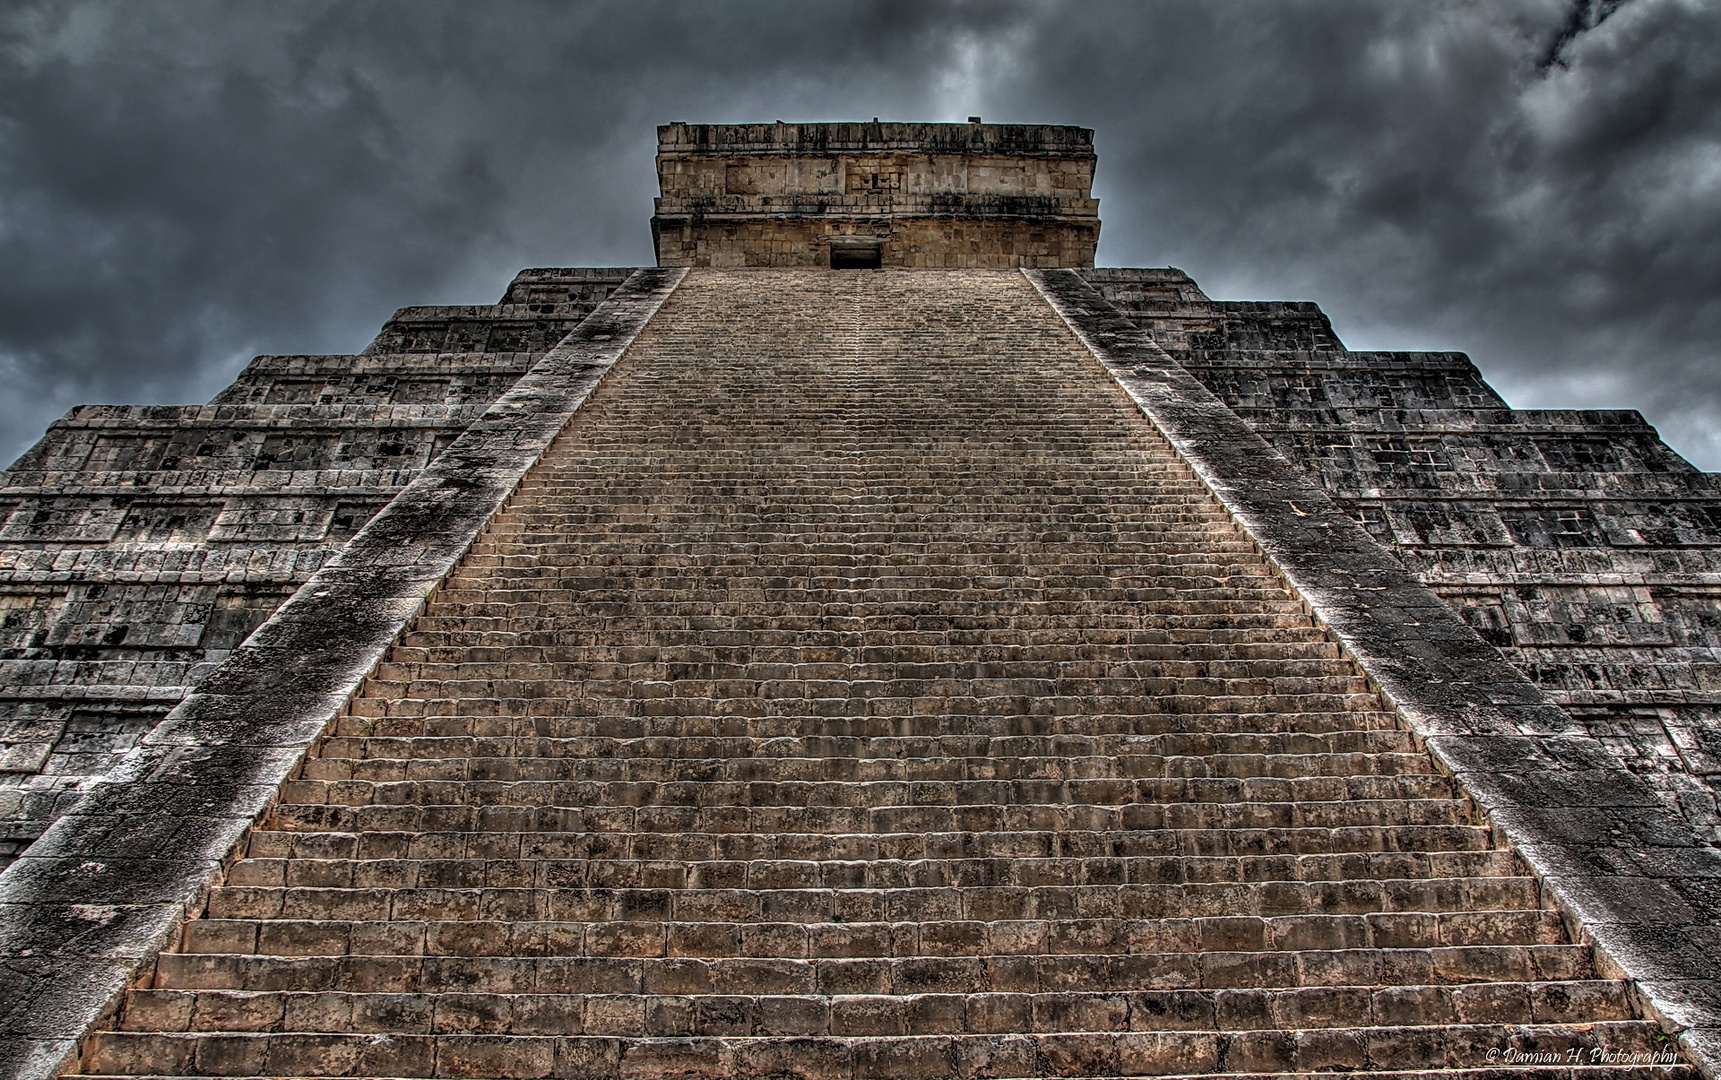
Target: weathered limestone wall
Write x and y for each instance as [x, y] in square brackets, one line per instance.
[931, 195]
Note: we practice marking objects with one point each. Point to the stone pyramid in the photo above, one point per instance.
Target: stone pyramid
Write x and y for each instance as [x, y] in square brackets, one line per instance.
[872, 644]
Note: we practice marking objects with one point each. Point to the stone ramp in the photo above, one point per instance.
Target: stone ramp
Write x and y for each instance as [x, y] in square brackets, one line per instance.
[860, 687]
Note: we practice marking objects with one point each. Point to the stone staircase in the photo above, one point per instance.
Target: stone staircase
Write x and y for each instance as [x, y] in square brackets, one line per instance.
[861, 688]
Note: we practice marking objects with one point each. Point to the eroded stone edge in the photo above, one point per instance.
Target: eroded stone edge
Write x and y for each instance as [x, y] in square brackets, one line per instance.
[1628, 878]
[88, 906]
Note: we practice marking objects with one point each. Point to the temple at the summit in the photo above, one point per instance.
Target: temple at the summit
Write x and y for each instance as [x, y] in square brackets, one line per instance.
[874, 642]
[866, 196]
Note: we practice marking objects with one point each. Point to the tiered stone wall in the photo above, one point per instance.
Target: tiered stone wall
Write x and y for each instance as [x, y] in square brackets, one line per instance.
[931, 195]
[1577, 542]
[140, 544]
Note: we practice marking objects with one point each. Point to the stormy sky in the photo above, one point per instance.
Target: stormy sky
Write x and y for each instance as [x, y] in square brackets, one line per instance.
[1537, 182]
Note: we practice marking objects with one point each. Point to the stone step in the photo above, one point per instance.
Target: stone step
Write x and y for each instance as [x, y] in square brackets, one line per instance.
[810, 488]
[778, 490]
[579, 559]
[1097, 899]
[1064, 626]
[543, 871]
[1134, 855]
[844, 625]
[1153, 538]
[886, 1057]
[1022, 751]
[652, 924]
[1218, 840]
[1675, 1071]
[1350, 802]
[945, 709]
[671, 1015]
[1051, 523]
[1052, 526]
[643, 547]
[779, 574]
[578, 666]
[1286, 628]
[536, 678]
[486, 719]
[1034, 752]
[1201, 659]
[1220, 551]
[1139, 800]
[928, 694]
[1154, 856]
[744, 975]
[761, 468]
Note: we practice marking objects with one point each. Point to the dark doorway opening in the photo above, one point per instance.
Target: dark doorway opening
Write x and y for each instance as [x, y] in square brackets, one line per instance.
[857, 256]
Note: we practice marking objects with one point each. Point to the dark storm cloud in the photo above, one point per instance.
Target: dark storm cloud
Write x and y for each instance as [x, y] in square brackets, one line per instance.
[1538, 183]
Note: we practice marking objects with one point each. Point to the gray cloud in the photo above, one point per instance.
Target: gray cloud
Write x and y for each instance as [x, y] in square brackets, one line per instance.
[1538, 183]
